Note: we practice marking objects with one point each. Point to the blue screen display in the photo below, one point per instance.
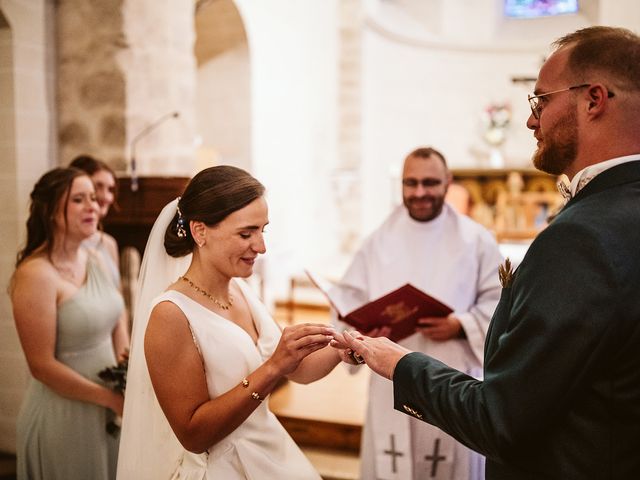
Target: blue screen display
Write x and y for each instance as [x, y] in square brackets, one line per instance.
[539, 8]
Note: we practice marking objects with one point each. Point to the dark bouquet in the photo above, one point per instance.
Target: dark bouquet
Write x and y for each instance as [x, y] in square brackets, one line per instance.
[115, 377]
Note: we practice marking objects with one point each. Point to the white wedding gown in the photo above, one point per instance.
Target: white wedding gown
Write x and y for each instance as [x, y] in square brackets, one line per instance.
[259, 448]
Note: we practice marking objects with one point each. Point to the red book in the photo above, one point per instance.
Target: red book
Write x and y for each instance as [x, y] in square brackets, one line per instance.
[399, 309]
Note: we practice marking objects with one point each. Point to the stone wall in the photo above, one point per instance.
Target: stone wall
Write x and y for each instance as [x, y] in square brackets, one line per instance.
[124, 64]
[91, 84]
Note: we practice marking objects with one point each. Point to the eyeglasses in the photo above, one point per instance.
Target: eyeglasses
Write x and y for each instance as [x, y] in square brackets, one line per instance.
[425, 182]
[536, 106]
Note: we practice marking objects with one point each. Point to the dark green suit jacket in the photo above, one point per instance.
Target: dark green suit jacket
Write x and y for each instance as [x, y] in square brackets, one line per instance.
[560, 397]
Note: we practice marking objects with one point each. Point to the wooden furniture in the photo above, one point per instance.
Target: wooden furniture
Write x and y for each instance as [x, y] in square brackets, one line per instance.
[484, 185]
[131, 223]
[513, 203]
[297, 282]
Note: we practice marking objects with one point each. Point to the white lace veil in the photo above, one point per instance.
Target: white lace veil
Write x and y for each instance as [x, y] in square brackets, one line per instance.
[148, 446]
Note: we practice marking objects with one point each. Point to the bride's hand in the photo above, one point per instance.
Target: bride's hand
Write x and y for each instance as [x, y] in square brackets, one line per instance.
[297, 342]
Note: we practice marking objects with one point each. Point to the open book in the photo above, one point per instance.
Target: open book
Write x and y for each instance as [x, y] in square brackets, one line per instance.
[399, 309]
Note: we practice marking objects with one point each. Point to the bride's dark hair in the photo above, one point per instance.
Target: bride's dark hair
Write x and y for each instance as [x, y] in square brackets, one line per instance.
[212, 195]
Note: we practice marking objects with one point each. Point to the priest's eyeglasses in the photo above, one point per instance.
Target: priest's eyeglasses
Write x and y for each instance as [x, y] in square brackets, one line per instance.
[536, 101]
[425, 182]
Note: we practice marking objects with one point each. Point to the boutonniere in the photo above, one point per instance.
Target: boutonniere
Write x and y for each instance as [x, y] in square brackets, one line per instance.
[505, 273]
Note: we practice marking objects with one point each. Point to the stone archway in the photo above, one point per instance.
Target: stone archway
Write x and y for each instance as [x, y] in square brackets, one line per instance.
[223, 92]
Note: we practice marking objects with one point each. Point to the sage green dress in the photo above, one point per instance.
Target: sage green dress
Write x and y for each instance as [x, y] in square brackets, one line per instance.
[63, 439]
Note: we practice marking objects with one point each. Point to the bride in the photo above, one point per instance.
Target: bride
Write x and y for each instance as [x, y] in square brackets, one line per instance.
[205, 352]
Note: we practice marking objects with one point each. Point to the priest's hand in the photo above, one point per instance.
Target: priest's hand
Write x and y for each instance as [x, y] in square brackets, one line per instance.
[380, 354]
[440, 329]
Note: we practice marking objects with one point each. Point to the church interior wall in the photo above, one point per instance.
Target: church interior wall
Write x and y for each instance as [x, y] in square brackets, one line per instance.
[223, 109]
[293, 51]
[160, 70]
[223, 86]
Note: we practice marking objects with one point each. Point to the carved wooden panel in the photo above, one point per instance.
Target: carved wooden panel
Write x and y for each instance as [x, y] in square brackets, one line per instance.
[514, 204]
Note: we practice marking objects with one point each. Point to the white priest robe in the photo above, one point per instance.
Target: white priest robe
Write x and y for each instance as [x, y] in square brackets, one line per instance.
[455, 260]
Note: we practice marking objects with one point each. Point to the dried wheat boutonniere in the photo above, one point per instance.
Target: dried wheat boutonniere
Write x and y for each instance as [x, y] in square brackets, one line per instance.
[505, 273]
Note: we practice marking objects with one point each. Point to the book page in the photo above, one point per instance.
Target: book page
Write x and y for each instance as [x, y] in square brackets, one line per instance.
[325, 286]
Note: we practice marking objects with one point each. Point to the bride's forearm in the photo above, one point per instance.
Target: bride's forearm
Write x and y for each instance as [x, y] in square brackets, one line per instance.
[213, 420]
[316, 366]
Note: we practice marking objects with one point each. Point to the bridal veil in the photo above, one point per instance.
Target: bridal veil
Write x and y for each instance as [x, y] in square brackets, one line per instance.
[148, 447]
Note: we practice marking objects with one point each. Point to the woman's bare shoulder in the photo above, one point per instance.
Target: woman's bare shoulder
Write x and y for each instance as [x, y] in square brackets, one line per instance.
[168, 329]
[37, 267]
[166, 318]
[34, 275]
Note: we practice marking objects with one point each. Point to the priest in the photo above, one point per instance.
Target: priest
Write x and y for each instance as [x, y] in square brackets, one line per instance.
[426, 243]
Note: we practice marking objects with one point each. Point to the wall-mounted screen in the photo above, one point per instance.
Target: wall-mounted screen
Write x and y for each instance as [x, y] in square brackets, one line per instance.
[539, 8]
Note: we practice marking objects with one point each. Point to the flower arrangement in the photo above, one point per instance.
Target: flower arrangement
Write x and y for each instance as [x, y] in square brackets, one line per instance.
[496, 118]
[115, 377]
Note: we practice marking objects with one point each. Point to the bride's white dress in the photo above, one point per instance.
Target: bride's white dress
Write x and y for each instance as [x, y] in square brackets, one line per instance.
[259, 448]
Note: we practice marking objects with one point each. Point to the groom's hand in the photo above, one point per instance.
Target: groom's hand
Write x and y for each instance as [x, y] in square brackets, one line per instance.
[380, 354]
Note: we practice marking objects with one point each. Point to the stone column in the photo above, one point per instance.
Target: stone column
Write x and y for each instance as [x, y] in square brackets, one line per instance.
[27, 150]
[122, 65]
[347, 177]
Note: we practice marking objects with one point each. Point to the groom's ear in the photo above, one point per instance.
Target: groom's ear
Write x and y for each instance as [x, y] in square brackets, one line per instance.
[198, 230]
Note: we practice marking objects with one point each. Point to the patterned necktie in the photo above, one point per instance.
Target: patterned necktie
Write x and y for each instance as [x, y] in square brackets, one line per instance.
[564, 190]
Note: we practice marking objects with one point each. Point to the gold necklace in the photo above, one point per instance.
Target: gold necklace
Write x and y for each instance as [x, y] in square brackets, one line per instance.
[222, 305]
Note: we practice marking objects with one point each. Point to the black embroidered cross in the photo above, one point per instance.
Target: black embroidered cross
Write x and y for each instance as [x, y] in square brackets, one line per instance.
[435, 458]
[394, 453]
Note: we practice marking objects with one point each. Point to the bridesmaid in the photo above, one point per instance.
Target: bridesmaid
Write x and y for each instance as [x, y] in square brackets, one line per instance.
[104, 182]
[69, 317]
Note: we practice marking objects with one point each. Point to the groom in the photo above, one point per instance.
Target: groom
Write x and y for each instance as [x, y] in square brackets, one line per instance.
[561, 392]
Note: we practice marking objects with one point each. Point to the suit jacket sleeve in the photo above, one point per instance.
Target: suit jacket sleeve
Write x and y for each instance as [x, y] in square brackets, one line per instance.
[552, 330]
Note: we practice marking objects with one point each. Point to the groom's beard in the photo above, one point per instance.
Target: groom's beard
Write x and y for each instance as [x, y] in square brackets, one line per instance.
[559, 146]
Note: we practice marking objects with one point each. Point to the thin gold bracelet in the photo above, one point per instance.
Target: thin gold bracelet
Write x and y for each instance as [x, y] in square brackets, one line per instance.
[254, 395]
